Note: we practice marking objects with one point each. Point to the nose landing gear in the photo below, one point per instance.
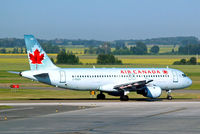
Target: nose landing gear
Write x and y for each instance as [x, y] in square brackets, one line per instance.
[169, 97]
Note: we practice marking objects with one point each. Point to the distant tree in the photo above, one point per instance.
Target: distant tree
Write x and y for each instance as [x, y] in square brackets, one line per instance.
[190, 41]
[133, 50]
[21, 50]
[139, 49]
[119, 45]
[192, 61]
[3, 50]
[155, 49]
[189, 49]
[173, 51]
[49, 48]
[52, 60]
[15, 51]
[104, 49]
[107, 59]
[183, 61]
[61, 56]
[177, 63]
[67, 58]
[121, 51]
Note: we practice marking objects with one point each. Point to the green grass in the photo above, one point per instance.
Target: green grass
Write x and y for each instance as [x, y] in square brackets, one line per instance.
[18, 62]
[5, 107]
[33, 94]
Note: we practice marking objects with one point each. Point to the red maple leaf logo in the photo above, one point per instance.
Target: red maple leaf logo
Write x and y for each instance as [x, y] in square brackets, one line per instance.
[165, 72]
[36, 58]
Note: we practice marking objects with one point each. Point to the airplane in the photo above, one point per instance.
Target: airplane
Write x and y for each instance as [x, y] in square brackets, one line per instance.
[149, 82]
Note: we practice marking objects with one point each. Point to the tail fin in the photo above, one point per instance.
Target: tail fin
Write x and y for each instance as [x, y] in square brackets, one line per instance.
[38, 59]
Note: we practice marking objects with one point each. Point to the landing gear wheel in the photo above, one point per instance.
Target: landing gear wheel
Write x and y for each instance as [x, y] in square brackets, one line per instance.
[169, 97]
[101, 97]
[124, 98]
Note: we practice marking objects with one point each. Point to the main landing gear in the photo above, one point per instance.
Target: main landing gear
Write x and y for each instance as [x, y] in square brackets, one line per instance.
[101, 96]
[124, 96]
[169, 97]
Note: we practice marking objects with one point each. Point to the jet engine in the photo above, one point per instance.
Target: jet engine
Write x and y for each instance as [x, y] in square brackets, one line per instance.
[151, 91]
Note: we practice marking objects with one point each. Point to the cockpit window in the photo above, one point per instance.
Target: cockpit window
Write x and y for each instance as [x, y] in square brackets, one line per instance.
[183, 75]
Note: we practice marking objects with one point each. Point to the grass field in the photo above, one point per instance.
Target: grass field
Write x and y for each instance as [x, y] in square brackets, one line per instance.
[19, 62]
[21, 59]
[33, 94]
[5, 107]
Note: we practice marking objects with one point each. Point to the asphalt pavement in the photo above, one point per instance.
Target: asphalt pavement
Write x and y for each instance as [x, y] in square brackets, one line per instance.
[102, 117]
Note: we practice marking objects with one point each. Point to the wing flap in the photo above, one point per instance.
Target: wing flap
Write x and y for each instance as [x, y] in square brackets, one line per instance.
[132, 85]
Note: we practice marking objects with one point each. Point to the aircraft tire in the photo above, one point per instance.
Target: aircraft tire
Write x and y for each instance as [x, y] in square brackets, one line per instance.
[169, 97]
[124, 98]
[101, 97]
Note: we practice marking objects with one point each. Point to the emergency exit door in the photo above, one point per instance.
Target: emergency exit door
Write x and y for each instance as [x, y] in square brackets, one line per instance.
[62, 77]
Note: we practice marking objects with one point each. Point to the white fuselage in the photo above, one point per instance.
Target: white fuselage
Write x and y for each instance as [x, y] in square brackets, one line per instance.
[104, 79]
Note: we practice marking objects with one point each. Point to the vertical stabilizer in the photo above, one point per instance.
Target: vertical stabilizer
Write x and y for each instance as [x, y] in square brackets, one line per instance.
[38, 59]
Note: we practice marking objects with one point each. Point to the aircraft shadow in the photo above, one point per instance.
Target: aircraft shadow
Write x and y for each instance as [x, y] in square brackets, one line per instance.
[94, 99]
[117, 99]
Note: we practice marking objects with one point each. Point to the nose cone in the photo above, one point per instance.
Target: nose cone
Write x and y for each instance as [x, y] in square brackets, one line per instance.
[189, 82]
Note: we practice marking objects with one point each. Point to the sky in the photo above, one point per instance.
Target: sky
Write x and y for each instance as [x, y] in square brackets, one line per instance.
[105, 20]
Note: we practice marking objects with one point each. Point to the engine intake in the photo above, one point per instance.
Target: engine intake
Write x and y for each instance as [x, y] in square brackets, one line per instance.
[151, 91]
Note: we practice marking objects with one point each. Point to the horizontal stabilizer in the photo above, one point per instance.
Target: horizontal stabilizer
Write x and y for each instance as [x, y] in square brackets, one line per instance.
[13, 72]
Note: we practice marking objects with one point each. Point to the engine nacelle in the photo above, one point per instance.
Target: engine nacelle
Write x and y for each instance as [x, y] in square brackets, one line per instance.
[151, 91]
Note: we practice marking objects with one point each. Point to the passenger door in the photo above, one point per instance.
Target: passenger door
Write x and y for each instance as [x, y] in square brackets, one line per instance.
[175, 76]
[62, 77]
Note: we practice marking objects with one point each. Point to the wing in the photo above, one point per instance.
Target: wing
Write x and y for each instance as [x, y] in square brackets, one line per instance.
[132, 86]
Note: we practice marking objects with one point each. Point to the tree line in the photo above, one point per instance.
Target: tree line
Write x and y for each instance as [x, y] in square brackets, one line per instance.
[48, 47]
[14, 42]
[64, 57]
[189, 49]
[121, 49]
[191, 61]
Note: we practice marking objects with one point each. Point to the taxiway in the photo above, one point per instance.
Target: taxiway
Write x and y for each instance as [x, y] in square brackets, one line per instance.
[101, 117]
